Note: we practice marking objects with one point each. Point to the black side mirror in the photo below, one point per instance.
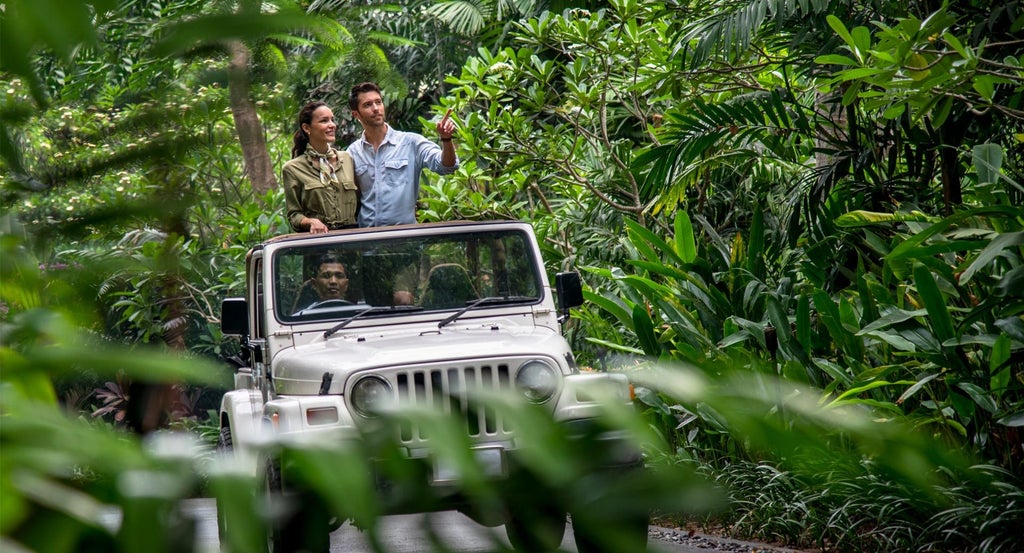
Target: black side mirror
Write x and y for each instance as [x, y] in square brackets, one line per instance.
[569, 288]
[234, 317]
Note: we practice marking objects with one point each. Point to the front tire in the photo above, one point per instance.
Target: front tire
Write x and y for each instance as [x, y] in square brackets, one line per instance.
[225, 448]
[298, 524]
[626, 536]
[539, 531]
[616, 520]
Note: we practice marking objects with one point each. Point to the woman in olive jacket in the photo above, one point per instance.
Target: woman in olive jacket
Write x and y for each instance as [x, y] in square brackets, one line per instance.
[319, 182]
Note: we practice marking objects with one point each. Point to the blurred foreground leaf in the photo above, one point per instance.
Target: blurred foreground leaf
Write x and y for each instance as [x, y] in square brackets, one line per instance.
[787, 422]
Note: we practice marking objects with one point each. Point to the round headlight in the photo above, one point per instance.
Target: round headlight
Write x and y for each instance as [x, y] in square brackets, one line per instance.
[537, 381]
[370, 395]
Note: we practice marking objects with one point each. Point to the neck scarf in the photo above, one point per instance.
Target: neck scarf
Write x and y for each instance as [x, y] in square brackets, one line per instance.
[327, 171]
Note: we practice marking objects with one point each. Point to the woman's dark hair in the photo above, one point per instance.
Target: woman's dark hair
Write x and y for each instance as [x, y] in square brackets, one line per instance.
[300, 139]
[353, 97]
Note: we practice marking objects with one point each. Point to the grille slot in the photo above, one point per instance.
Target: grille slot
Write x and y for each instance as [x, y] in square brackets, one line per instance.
[453, 390]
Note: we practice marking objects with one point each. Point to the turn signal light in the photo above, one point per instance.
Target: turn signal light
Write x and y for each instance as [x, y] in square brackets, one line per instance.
[321, 415]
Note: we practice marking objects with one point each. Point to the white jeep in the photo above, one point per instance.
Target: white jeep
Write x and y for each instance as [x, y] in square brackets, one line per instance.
[338, 328]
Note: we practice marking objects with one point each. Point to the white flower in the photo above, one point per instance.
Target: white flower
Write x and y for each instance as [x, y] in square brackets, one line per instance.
[499, 67]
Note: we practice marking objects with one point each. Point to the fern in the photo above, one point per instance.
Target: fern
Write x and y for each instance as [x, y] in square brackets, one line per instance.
[750, 128]
[729, 33]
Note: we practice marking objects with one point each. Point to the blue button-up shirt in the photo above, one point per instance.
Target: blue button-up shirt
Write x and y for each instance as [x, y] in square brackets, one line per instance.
[389, 179]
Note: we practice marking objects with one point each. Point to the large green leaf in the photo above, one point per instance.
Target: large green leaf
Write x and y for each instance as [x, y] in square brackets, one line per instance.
[893, 339]
[829, 316]
[644, 240]
[991, 252]
[642, 246]
[834, 59]
[899, 259]
[659, 268]
[1013, 327]
[1012, 283]
[839, 375]
[756, 245]
[868, 305]
[1014, 419]
[999, 368]
[182, 37]
[988, 160]
[803, 322]
[616, 347]
[684, 240]
[643, 326]
[860, 218]
[982, 398]
[939, 318]
[609, 304]
[917, 386]
[862, 389]
[891, 317]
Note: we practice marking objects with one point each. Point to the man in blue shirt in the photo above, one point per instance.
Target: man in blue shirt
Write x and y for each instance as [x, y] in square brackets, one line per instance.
[388, 162]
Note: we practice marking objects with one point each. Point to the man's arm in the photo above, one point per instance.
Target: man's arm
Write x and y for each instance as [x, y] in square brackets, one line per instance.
[445, 130]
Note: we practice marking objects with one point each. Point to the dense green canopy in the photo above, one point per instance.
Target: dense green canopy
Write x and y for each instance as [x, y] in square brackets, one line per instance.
[825, 193]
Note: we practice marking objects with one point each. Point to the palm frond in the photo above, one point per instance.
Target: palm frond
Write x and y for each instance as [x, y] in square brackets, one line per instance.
[465, 17]
[389, 39]
[729, 33]
[762, 124]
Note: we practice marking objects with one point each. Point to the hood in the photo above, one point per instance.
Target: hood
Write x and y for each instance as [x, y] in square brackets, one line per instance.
[300, 370]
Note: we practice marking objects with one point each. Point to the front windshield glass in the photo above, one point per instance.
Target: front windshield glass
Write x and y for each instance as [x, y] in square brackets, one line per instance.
[430, 273]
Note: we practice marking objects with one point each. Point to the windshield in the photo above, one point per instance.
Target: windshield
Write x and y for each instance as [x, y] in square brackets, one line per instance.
[431, 273]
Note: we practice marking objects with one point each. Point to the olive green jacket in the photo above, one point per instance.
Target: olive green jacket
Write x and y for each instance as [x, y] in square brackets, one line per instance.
[305, 195]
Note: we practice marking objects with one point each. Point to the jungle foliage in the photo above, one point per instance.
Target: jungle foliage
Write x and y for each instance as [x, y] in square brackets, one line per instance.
[800, 223]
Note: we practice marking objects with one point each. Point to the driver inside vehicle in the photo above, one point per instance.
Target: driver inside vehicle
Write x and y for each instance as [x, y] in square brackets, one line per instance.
[331, 279]
[328, 282]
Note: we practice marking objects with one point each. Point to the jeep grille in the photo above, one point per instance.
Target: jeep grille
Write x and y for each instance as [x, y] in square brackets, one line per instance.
[451, 389]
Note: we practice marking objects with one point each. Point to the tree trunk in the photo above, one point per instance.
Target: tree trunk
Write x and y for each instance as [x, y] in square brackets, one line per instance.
[150, 403]
[247, 122]
[952, 135]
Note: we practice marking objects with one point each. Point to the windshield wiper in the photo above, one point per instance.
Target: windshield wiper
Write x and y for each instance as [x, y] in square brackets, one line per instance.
[370, 311]
[482, 301]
